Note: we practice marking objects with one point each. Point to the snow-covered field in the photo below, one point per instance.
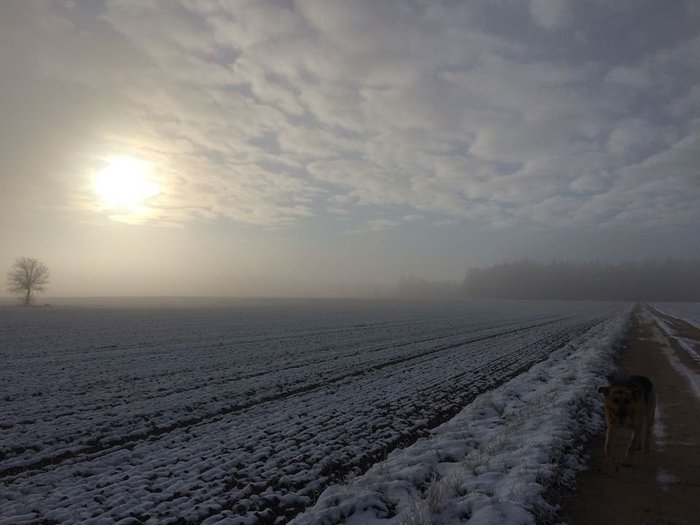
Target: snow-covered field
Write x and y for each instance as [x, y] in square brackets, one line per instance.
[246, 412]
[688, 312]
[494, 462]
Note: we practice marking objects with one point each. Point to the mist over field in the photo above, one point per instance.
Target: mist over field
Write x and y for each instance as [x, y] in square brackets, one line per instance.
[650, 281]
[247, 410]
[323, 148]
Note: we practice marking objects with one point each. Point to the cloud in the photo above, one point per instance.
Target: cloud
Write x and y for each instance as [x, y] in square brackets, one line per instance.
[377, 225]
[550, 13]
[636, 138]
[629, 77]
[269, 113]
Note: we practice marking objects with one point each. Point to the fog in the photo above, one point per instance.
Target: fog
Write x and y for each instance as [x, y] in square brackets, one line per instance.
[326, 149]
[669, 280]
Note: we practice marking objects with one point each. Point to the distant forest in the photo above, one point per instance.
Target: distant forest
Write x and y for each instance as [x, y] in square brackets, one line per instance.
[670, 280]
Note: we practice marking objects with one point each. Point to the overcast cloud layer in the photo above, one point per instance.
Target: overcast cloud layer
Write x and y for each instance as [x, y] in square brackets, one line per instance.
[500, 117]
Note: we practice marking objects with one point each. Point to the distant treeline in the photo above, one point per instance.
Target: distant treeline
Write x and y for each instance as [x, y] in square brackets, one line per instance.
[670, 280]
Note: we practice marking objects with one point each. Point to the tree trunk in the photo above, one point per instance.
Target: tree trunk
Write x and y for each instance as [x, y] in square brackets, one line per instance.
[27, 298]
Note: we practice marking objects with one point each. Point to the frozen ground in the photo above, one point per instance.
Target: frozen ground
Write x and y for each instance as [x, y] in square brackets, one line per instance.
[244, 413]
[494, 461]
[667, 315]
[685, 363]
[688, 312]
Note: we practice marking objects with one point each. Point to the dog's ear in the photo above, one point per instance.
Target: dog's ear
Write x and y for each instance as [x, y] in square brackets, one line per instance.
[604, 390]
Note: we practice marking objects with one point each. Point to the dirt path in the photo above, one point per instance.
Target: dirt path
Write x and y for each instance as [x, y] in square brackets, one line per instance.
[664, 486]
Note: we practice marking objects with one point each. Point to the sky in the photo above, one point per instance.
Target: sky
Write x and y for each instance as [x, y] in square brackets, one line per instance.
[328, 147]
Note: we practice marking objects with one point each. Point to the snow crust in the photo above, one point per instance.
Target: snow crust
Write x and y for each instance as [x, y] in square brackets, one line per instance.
[688, 312]
[665, 479]
[662, 331]
[245, 414]
[495, 461]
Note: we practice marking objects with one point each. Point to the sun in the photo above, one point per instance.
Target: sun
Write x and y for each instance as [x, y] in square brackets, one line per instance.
[124, 183]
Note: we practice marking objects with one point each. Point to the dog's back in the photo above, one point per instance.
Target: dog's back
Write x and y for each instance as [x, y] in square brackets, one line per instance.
[645, 384]
[642, 383]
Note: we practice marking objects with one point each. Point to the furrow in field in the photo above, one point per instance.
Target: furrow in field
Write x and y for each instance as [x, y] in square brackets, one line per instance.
[417, 419]
[96, 444]
[283, 451]
[218, 377]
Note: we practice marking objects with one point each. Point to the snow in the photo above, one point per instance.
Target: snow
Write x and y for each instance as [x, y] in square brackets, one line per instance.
[494, 461]
[245, 413]
[665, 479]
[662, 332]
[660, 433]
[688, 312]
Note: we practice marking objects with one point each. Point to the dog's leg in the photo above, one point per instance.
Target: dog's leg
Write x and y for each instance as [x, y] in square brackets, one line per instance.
[647, 439]
[607, 449]
[651, 412]
[643, 435]
[631, 446]
[610, 435]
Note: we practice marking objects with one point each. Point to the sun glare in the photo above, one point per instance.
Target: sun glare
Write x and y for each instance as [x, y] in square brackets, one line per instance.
[124, 183]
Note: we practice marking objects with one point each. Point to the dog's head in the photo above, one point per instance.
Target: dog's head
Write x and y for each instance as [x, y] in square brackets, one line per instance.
[620, 399]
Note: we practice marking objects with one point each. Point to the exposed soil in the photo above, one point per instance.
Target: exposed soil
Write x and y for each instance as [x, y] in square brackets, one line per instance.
[662, 487]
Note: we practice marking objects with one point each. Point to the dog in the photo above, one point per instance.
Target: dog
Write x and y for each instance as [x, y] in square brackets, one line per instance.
[630, 403]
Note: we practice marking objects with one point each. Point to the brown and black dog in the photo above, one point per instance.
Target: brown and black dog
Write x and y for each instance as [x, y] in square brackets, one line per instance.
[630, 403]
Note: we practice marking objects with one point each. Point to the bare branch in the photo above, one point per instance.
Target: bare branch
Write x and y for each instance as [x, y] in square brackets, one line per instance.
[27, 276]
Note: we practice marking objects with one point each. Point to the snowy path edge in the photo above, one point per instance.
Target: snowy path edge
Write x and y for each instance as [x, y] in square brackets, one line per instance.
[498, 458]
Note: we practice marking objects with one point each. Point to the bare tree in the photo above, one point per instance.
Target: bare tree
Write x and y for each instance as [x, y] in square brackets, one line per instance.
[27, 276]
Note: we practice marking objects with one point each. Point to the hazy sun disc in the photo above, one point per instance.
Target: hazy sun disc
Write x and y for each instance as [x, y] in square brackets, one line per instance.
[124, 182]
